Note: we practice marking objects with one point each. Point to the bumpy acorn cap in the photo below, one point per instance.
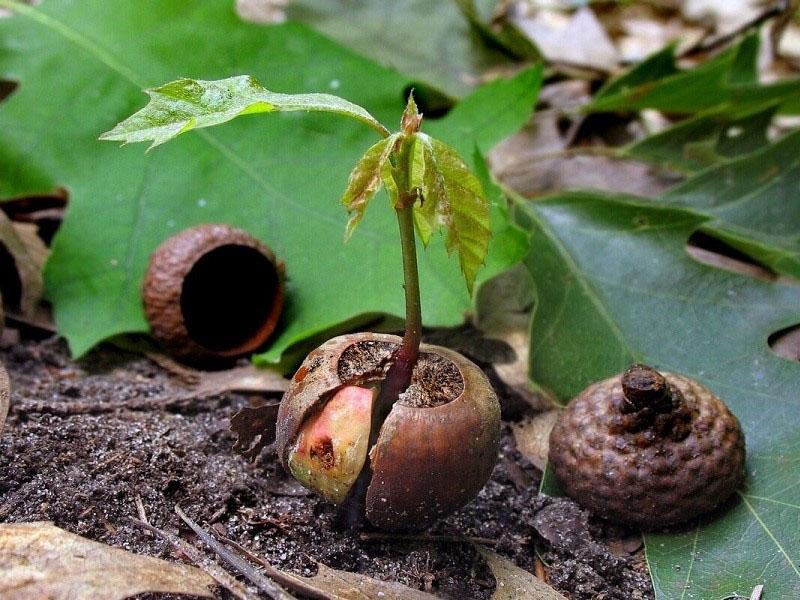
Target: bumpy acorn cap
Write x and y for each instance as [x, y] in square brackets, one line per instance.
[437, 447]
[648, 449]
[212, 292]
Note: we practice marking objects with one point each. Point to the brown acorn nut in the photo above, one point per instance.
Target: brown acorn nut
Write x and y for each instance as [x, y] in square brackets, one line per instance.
[648, 449]
[212, 292]
[435, 451]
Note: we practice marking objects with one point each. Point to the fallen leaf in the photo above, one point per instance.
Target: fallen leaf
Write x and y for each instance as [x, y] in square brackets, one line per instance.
[787, 343]
[532, 436]
[577, 40]
[538, 159]
[5, 394]
[353, 586]
[262, 11]
[248, 378]
[726, 15]
[327, 583]
[644, 36]
[39, 560]
[21, 268]
[503, 313]
[514, 583]
[255, 429]
[44, 211]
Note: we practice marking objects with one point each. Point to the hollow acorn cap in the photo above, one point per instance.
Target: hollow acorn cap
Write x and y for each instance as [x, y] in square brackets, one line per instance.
[648, 467]
[428, 460]
[212, 292]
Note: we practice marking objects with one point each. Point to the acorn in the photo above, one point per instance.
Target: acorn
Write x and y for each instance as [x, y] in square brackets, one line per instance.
[212, 292]
[435, 450]
[648, 449]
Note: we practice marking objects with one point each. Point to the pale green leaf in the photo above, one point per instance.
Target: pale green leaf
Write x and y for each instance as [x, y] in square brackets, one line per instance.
[365, 180]
[186, 104]
[460, 205]
[424, 212]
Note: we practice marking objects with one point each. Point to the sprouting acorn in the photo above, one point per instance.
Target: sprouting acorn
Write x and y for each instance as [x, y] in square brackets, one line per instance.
[435, 450]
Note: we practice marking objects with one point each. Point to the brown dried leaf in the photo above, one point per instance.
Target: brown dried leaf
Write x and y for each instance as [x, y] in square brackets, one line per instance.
[203, 384]
[254, 428]
[39, 560]
[503, 314]
[576, 40]
[354, 586]
[532, 436]
[240, 379]
[514, 583]
[787, 343]
[5, 395]
[24, 282]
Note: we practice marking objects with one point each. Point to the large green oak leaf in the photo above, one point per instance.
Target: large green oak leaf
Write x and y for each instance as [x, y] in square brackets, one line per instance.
[81, 68]
[615, 285]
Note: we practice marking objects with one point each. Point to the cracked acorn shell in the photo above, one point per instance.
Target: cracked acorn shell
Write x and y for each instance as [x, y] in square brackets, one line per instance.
[212, 292]
[648, 449]
[437, 447]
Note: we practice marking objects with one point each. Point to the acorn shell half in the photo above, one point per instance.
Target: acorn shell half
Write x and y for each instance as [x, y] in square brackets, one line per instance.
[212, 292]
[428, 460]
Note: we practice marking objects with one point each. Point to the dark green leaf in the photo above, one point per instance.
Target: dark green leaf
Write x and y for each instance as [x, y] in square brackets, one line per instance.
[615, 285]
[365, 180]
[704, 140]
[752, 203]
[81, 68]
[186, 104]
[727, 83]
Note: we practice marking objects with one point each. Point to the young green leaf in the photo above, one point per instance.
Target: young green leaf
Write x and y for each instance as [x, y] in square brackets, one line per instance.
[365, 180]
[186, 104]
[424, 211]
[458, 202]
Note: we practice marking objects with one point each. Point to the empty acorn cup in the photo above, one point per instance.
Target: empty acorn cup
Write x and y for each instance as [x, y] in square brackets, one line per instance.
[212, 292]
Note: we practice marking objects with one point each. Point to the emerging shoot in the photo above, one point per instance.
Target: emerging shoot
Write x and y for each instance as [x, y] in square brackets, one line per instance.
[430, 187]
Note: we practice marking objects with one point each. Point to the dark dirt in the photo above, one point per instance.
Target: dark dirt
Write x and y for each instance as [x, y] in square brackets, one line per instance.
[84, 468]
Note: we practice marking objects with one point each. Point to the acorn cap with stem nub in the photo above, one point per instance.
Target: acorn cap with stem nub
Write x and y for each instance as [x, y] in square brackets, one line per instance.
[648, 449]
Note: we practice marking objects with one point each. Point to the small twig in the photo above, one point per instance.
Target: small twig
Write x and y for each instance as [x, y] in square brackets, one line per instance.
[286, 579]
[185, 374]
[757, 591]
[254, 576]
[706, 45]
[82, 407]
[140, 509]
[214, 571]
[376, 536]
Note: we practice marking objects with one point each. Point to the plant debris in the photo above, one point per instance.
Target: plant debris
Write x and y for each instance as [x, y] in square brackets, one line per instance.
[39, 560]
[85, 472]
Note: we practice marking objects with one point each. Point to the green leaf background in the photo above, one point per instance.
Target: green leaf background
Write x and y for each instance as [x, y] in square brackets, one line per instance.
[81, 68]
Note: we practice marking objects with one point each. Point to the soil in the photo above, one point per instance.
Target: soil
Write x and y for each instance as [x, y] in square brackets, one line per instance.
[85, 441]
